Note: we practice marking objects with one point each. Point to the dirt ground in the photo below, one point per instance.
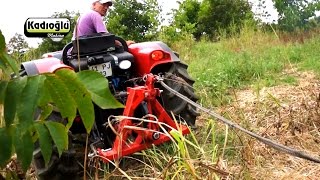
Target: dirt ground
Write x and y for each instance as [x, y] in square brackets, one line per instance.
[287, 114]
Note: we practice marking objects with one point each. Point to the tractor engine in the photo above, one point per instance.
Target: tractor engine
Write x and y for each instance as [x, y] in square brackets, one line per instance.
[100, 53]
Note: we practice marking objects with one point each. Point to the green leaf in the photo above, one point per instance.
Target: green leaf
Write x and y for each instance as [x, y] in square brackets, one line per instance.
[34, 134]
[12, 63]
[178, 136]
[46, 111]
[80, 95]
[13, 93]
[44, 141]
[59, 135]
[28, 100]
[23, 147]
[4, 58]
[2, 43]
[60, 96]
[3, 66]
[44, 101]
[6, 146]
[44, 94]
[98, 87]
[3, 87]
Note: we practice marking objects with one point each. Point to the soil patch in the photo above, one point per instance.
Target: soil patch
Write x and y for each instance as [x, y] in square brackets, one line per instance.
[288, 114]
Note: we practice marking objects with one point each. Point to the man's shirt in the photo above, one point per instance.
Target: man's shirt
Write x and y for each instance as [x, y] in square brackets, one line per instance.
[90, 23]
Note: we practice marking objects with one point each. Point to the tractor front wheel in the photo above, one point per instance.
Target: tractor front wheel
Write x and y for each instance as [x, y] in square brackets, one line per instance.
[64, 167]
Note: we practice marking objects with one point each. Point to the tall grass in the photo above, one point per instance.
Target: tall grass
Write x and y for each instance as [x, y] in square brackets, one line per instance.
[187, 157]
[253, 56]
[252, 59]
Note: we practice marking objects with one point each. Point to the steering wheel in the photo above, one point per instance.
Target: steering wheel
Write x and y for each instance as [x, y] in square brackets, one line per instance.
[64, 53]
[123, 43]
[70, 45]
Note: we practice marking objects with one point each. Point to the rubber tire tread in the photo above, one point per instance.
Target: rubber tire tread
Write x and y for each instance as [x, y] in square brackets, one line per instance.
[64, 167]
[183, 84]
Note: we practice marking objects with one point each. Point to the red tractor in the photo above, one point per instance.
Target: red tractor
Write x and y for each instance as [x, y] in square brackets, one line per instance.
[133, 74]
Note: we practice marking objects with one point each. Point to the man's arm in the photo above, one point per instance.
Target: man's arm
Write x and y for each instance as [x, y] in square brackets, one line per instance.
[98, 24]
[100, 27]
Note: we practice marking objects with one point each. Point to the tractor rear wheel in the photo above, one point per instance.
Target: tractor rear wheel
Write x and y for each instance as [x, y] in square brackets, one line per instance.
[178, 79]
[64, 167]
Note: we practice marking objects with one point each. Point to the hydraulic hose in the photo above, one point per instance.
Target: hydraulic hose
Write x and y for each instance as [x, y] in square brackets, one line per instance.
[264, 140]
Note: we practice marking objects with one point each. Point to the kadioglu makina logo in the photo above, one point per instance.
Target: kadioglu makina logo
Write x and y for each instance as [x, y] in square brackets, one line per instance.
[47, 27]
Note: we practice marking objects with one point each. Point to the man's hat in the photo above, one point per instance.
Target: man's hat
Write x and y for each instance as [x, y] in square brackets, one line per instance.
[109, 2]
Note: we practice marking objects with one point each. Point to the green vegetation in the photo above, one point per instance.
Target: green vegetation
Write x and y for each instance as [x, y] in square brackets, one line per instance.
[253, 60]
[253, 57]
[134, 20]
[226, 55]
[64, 90]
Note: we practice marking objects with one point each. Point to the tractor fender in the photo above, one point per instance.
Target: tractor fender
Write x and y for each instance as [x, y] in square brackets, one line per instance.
[45, 65]
[142, 55]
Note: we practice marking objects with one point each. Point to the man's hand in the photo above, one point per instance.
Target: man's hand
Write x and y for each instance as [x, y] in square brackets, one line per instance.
[118, 43]
[130, 42]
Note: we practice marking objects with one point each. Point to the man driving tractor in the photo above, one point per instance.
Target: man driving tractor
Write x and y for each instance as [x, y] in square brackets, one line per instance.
[91, 22]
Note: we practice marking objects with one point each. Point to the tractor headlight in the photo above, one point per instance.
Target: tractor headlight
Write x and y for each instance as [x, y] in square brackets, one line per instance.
[125, 64]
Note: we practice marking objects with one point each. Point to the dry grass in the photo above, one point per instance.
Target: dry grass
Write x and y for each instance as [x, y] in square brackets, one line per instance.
[251, 40]
[286, 114]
